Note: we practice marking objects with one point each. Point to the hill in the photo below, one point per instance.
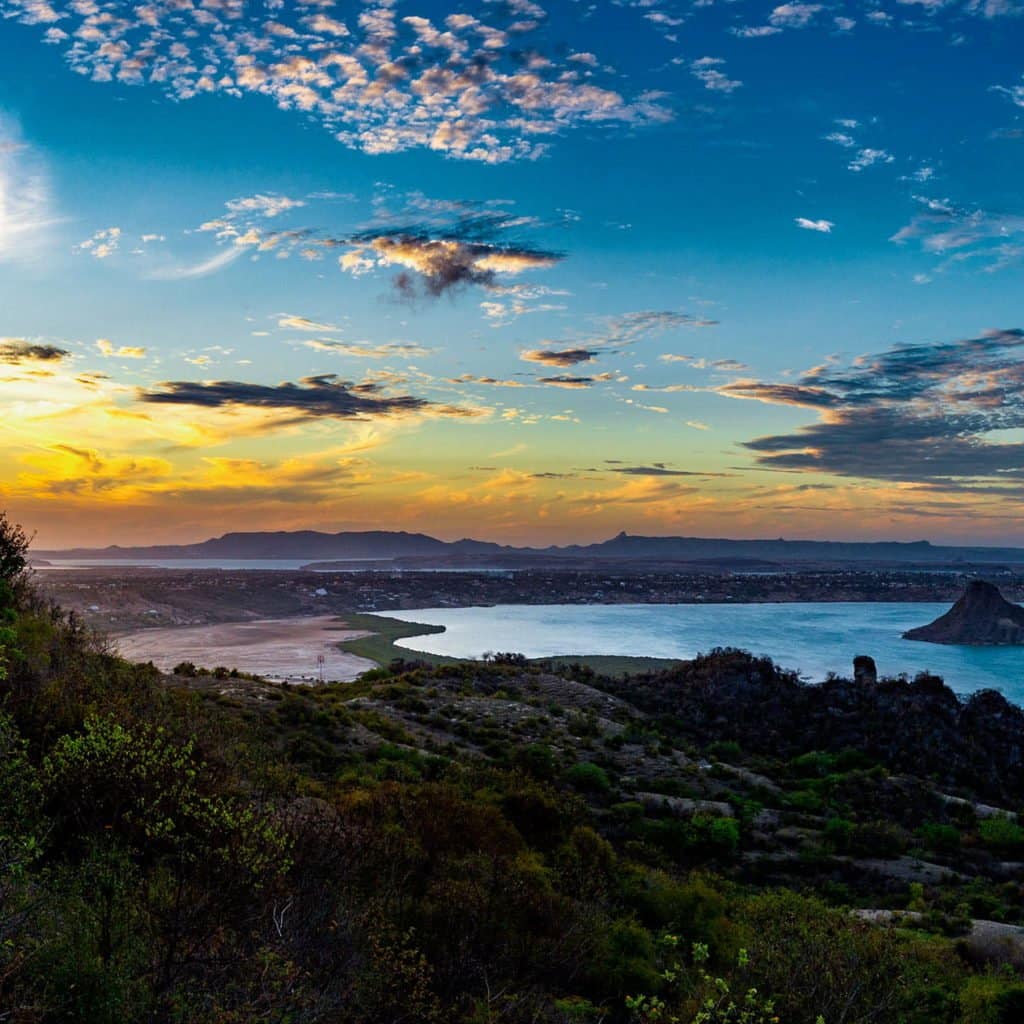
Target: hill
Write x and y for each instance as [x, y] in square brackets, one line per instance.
[980, 617]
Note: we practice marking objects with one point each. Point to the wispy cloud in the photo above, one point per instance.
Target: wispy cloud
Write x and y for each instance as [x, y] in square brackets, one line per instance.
[961, 235]
[709, 71]
[27, 206]
[823, 226]
[390, 350]
[218, 261]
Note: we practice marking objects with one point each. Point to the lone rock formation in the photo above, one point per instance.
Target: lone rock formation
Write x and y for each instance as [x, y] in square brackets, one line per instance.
[865, 672]
[982, 616]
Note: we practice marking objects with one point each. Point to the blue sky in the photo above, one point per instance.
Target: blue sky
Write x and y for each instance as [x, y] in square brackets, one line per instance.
[573, 268]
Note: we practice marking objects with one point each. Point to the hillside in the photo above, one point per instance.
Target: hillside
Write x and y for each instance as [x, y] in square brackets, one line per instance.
[498, 842]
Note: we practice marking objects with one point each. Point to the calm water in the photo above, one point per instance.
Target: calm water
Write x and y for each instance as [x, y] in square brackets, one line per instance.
[812, 638]
[175, 563]
[263, 564]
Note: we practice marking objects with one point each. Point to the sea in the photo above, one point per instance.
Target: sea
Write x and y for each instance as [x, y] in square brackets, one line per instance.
[254, 564]
[811, 638]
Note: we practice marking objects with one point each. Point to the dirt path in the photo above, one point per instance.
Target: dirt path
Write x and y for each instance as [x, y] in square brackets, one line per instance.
[276, 648]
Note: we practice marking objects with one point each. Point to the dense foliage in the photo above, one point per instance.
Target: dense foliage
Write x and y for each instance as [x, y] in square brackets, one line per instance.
[204, 849]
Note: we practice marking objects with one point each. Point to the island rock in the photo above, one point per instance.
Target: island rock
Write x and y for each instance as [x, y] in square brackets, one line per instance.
[982, 616]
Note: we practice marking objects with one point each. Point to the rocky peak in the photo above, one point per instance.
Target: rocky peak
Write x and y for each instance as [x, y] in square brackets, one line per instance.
[981, 616]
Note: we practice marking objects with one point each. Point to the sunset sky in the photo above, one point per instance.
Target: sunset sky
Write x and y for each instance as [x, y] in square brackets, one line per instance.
[529, 272]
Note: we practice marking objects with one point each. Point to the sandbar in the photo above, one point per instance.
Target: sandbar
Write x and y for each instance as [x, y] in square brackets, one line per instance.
[279, 649]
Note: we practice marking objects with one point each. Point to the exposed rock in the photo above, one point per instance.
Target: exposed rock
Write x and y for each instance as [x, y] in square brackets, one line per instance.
[684, 807]
[981, 616]
[865, 671]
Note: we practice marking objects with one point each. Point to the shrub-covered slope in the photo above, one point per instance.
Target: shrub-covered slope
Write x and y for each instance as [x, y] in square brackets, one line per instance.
[491, 843]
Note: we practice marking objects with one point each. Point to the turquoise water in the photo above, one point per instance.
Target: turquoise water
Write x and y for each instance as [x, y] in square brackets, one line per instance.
[812, 638]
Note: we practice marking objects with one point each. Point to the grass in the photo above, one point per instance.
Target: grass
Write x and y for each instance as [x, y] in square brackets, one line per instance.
[380, 647]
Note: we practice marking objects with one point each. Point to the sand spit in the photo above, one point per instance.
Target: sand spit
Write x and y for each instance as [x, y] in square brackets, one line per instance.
[280, 649]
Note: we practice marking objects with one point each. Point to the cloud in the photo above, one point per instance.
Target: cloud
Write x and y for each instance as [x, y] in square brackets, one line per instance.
[301, 323]
[944, 414]
[564, 381]
[794, 15]
[868, 158]
[708, 70]
[469, 87]
[102, 244]
[400, 350]
[210, 265]
[657, 469]
[469, 378]
[756, 31]
[465, 245]
[617, 333]
[265, 205]
[560, 357]
[1014, 92]
[109, 349]
[16, 351]
[317, 397]
[824, 226]
[963, 234]
[26, 202]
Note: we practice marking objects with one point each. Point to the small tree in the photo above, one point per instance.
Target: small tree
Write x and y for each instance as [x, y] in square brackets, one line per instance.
[14, 544]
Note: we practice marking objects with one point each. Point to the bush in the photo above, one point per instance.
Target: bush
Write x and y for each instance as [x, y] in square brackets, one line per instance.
[939, 837]
[992, 999]
[838, 833]
[878, 839]
[1001, 833]
[589, 777]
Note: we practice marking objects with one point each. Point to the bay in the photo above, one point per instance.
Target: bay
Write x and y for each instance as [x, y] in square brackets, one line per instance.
[812, 638]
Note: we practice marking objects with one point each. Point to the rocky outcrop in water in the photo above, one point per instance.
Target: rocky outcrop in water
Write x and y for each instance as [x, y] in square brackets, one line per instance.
[982, 616]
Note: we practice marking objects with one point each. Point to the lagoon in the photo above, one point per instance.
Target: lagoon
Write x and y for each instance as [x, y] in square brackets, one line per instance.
[812, 638]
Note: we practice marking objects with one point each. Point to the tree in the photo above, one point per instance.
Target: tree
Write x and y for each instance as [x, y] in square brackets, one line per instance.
[14, 544]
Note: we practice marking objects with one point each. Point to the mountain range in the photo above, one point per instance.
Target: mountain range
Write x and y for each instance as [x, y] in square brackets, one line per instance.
[420, 548]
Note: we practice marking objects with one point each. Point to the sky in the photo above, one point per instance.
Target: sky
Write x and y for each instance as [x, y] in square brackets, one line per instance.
[534, 272]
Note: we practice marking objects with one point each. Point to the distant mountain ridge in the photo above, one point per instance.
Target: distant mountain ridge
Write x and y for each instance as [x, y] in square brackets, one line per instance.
[388, 545]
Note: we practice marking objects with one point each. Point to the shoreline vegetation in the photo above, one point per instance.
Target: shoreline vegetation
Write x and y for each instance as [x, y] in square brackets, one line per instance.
[380, 647]
[497, 842]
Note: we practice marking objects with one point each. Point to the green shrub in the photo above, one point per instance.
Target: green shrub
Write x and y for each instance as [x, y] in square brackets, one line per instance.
[589, 777]
[878, 839]
[838, 833]
[992, 999]
[939, 837]
[1001, 833]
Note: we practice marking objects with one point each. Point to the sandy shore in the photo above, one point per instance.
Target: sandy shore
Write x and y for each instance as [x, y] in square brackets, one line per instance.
[282, 649]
